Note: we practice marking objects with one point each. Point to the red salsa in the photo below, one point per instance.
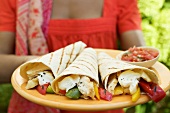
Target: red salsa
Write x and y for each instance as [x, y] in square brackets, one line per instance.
[137, 54]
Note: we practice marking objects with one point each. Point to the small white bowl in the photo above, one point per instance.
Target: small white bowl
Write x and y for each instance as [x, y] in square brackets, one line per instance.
[147, 63]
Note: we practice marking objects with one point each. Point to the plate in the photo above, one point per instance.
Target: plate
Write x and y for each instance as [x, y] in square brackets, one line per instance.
[62, 102]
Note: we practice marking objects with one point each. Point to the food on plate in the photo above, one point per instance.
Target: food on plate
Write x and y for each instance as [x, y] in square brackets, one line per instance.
[80, 79]
[121, 78]
[42, 71]
[140, 54]
[49, 90]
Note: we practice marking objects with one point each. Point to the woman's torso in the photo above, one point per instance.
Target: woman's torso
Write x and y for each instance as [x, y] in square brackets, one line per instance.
[93, 22]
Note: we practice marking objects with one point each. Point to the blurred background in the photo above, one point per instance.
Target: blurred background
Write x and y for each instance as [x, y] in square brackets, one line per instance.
[156, 30]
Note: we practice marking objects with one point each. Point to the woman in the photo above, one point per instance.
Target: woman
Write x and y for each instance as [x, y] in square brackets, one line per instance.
[35, 27]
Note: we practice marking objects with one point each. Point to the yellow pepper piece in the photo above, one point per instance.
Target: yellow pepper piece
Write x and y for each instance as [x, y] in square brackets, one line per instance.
[118, 90]
[96, 91]
[136, 95]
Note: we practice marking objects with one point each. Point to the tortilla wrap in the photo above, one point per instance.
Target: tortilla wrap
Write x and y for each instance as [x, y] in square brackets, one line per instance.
[84, 65]
[55, 61]
[109, 66]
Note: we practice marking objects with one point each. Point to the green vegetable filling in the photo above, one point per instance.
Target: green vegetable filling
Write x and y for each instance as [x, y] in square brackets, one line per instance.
[49, 89]
[73, 93]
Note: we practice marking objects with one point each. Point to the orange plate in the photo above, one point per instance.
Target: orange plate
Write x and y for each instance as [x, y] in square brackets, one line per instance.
[61, 102]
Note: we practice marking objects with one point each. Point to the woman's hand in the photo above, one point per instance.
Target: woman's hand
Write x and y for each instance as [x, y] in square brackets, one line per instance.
[30, 57]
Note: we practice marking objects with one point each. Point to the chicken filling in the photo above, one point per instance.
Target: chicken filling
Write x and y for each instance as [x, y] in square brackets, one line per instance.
[126, 82]
[40, 78]
[83, 84]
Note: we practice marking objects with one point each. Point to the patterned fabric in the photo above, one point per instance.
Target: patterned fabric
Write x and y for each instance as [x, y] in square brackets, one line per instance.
[32, 19]
[21, 105]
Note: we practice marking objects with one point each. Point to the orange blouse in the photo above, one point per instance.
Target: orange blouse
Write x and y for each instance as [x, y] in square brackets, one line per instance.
[118, 17]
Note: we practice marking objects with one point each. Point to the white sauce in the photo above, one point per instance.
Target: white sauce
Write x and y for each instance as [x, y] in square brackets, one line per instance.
[45, 77]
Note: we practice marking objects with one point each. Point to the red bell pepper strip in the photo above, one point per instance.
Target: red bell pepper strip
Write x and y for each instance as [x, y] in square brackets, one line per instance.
[104, 94]
[154, 91]
[159, 93]
[42, 89]
[63, 92]
[145, 86]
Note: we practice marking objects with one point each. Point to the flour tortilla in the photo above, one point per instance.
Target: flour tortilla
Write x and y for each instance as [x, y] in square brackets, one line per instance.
[55, 61]
[109, 66]
[85, 64]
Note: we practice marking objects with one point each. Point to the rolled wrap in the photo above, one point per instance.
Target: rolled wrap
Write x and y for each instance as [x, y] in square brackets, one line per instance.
[84, 65]
[55, 61]
[109, 66]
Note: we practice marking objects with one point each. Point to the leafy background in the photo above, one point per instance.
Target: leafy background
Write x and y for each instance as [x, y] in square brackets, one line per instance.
[156, 30]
